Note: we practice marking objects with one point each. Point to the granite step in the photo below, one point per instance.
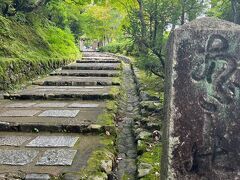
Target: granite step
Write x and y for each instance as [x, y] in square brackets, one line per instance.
[77, 81]
[86, 73]
[95, 54]
[64, 92]
[93, 66]
[92, 60]
[99, 58]
[51, 116]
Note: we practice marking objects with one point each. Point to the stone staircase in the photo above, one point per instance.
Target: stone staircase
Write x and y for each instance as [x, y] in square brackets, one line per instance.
[52, 128]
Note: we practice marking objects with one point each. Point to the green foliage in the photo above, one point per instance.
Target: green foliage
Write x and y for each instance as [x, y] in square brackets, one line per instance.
[222, 9]
[12, 7]
[28, 51]
[66, 14]
[125, 47]
[149, 24]
[101, 22]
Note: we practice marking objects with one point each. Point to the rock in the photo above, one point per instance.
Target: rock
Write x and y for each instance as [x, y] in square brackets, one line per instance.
[37, 177]
[150, 105]
[95, 127]
[138, 130]
[156, 135]
[202, 105]
[143, 135]
[130, 108]
[153, 126]
[106, 166]
[144, 169]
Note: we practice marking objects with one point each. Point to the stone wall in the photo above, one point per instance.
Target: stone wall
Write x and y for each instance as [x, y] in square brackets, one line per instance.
[14, 72]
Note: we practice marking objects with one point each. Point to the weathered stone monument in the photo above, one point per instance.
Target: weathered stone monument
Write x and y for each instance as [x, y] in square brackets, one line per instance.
[202, 105]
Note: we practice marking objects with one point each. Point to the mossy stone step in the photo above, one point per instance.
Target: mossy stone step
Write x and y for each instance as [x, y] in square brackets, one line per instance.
[65, 92]
[77, 81]
[93, 66]
[87, 73]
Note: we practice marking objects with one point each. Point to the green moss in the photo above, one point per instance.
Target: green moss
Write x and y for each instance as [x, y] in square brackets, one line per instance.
[150, 105]
[116, 81]
[152, 157]
[105, 153]
[112, 106]
[32, 49]
[141, 147]
[115, 91]
[106, 119]
[127, 177]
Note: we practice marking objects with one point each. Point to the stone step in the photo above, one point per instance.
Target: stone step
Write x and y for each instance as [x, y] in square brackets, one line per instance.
[98, 58]
[90, 60]
[86, 73]
[44, 156]
[52, 116]
[77, 81]
[93, 66]
[63, 92]
[95, 54]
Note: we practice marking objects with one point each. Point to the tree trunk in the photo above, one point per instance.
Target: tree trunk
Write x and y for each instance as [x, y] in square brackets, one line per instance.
[141, 17]
[183, 14]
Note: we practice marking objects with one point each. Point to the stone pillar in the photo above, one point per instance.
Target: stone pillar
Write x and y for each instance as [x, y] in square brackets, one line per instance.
[202, 102]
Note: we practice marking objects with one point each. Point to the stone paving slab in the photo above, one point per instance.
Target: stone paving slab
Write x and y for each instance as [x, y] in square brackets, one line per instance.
[13, 140]
[75, 81]
[53, 141]
[37, 177]
[63, 92]
[17, 157]
[87, 73]
[59, 113]
[19, 113]
[93, 66]
[57, 157]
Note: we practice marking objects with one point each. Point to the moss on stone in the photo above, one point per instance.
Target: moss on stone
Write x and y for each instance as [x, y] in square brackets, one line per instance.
[152, 157]
[114, 91]
[106, 152]
[112, 106]
[106, 119]
[116, 81]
